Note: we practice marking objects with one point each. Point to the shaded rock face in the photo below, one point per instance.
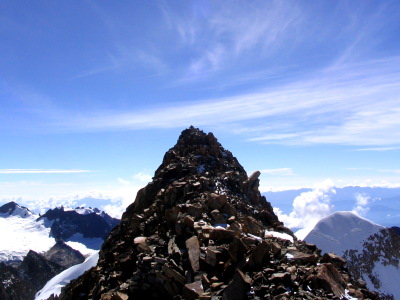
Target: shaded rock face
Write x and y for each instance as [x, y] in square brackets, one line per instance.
[38, 270]
[8, 208]
[13, 286]
[24, 280]
[67, 223]
[396, 229]
[197, 231]
[64, 255]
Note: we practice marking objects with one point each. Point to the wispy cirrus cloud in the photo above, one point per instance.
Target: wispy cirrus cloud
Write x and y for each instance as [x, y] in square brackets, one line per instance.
[220, 35]
[378, 149]
[42, 171]
[333, 106]
[279, 171]
[342, 101]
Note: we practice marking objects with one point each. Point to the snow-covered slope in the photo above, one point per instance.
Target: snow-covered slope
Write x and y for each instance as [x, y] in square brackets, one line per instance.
[341, 231]
[20, 232]
[56, 283]
[372, 251]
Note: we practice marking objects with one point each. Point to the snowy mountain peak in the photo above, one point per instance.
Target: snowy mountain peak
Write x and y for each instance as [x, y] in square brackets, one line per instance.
[14, 209]
[371, 250]
[84, 210]
[343, 228]
[88, 210]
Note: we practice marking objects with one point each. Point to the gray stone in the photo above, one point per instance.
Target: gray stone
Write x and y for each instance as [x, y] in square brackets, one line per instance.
[193, 247]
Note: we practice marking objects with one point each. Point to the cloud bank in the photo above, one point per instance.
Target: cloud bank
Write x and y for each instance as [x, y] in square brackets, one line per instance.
[38, 196]
[309, 207]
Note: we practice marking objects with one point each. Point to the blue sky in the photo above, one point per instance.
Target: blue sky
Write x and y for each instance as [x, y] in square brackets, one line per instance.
[92, 93]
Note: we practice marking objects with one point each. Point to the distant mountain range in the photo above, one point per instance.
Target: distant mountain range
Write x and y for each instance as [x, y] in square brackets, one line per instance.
[34, 248]
[371, 250]
[382, 204]
[88, 222]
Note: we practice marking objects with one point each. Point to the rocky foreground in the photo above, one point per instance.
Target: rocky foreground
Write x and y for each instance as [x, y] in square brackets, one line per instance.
[201, 230]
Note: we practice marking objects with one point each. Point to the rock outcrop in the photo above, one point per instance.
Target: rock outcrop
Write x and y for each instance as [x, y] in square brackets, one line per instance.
[64, 255]
[201, 230]
[38, 269]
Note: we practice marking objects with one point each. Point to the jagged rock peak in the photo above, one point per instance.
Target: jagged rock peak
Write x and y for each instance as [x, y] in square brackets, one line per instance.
[193, 141]
[195, 137]
[199, 153]
[198, 168]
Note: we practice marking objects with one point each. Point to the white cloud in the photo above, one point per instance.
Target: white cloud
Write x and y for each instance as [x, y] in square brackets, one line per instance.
[274, 137]
[335, 106]
[309, 207]
[362, 202]
[344, 100]
[143, 177]
[113, 201]
[113, 197]
[279, 171]
[123, 181]
[41, 171]
[216, 35]
[379, 149]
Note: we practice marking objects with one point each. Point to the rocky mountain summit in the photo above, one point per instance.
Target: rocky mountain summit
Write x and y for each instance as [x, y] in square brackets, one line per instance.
[201, 230]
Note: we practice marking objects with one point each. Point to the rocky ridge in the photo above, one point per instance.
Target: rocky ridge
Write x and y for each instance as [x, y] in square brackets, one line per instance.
[201, 230]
